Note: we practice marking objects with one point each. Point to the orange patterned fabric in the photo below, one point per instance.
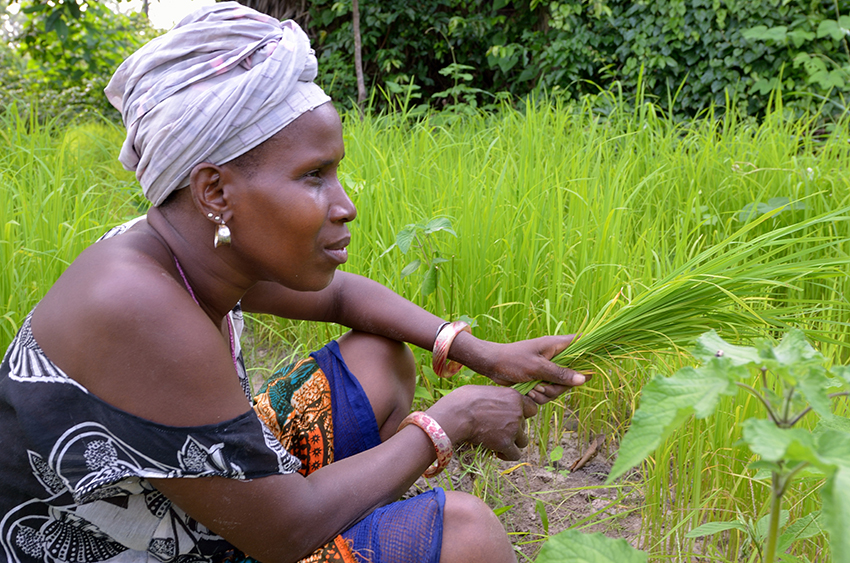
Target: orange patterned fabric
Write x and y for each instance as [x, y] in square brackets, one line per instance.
[296, 406]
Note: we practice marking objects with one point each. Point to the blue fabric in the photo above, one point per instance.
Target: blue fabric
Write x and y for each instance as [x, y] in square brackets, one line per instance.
[408, 531]
[355, 427]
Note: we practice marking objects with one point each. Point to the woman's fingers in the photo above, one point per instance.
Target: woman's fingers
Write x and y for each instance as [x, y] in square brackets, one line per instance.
[495, 417]
[529, 360]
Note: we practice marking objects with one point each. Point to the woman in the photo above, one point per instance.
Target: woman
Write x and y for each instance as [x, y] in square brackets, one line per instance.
[126, 433]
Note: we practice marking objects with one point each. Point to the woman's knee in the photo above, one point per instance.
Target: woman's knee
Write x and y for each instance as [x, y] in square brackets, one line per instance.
[472, 532]
[386, 369]
[368, 352]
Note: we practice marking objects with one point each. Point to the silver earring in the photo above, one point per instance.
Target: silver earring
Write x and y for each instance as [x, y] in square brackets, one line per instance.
[210, 215]
[222, 235]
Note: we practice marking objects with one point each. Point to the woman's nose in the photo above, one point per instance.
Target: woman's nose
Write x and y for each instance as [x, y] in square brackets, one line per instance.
[342, 209]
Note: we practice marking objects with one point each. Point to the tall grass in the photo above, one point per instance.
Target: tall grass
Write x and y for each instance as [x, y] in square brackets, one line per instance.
[57, 195]
[557, 210]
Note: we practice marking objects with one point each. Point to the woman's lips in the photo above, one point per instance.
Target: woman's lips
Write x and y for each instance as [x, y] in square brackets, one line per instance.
[339, 255]
[338, 251]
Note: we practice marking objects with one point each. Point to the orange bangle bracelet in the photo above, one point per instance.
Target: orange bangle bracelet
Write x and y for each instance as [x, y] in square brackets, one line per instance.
[441, 441]
[442, 366]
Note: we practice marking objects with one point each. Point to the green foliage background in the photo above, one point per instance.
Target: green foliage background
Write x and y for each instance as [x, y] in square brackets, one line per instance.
[687, 54]
[62, 55]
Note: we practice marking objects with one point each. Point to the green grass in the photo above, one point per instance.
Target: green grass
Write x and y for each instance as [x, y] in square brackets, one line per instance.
[557, 210]
[57, 194]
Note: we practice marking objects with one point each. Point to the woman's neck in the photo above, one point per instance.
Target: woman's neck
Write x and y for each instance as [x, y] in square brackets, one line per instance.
[212, 273]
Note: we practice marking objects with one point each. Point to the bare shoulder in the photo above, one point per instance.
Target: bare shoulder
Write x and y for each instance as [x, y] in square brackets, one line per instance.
[119, 323]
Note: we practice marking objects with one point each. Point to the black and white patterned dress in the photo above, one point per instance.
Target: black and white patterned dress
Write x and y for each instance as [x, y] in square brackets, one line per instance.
[74, 470]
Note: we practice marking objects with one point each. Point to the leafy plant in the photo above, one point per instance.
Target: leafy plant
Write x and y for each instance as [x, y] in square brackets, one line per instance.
[419, 237]
[555, 456]
[816, 44]
[461, 93]
[796, 381]
[688, 56]
[573, 546]
[65, 55]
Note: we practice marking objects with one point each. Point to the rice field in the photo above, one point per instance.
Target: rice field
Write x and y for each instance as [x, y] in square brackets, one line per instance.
[556, 210]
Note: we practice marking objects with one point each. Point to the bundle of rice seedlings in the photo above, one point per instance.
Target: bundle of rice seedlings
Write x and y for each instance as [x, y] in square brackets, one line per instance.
[727, 288]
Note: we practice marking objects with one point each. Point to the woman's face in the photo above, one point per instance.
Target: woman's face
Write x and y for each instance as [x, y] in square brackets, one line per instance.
[289, 211]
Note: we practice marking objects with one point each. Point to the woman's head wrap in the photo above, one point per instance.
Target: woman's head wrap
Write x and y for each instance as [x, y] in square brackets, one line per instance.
[224, 80]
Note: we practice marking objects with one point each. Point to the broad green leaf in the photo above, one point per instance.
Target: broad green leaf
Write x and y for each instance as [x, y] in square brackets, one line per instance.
[833, 447]
[814, 386]
[575, 547]
[838, 423]
[835, 495]
[830, 28]
[410, 268]
[439, 224]
[710, 346]
[667, 402]
[762, 465]
[405, 238]
[33, 8]
[422, 393]
[763, 33]
[795, 349]
[712, 528]
[763, 524]
[556, 454]
[828, 79]
[773, 204]
[804, 527]
[774, 444]
[800, 36]
[429, 282]
[842, 372]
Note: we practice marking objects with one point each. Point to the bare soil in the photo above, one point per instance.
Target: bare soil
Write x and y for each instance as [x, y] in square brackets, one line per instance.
[536, 500]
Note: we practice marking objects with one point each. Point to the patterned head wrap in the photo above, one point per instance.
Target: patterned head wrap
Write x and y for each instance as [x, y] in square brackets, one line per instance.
[224, 80]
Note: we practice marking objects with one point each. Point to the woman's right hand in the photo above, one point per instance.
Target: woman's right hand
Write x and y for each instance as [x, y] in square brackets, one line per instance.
[491, 416]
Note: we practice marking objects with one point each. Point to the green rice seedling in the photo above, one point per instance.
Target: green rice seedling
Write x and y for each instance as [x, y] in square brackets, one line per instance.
[722, 287]
[54, 201]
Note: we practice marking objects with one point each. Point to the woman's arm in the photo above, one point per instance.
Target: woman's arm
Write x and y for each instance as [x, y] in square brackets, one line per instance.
[363, 304]
[285, 518]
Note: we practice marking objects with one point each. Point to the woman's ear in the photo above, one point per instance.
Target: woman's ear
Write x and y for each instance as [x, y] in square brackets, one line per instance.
[208, 193]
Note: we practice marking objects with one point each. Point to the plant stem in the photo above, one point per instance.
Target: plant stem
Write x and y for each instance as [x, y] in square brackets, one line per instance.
[761, 398]
[773, 529]
[805, 411]
[786, 415]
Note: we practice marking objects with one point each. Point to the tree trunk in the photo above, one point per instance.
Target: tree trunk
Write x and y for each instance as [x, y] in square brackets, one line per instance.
[358, 56]
[281, 9]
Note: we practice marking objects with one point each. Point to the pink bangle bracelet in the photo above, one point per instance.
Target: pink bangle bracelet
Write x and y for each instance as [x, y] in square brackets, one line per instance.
[442, 344]
[442, 444]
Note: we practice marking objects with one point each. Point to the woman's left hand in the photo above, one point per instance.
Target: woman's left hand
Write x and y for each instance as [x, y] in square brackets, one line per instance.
[529, 360]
